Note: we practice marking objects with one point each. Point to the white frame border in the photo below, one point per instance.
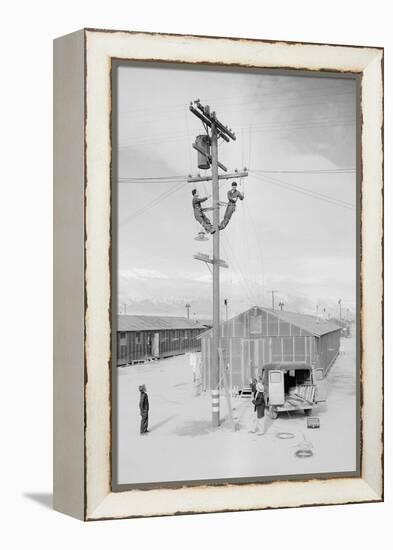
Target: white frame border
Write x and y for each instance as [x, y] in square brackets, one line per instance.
[101, 47]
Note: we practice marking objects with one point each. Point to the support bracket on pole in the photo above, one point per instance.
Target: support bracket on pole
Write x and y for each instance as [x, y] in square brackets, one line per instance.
[206, 258]
[232, 175]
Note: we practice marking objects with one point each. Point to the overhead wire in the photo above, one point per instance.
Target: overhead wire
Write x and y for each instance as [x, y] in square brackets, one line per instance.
[254, 255]
[243, 116]
[246, 246]
[310, 92]
[311, 171]
[297, 189]
[260, 253]
[316, 194]
[300, 124]
[188, 140]
[258, 246]
[233, 262]
[245, 225]
[235, 265]
[151, 179]
[174, 177]
[154, 202]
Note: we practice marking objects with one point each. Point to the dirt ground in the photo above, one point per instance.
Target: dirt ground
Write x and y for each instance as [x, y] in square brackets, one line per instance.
[182, 445]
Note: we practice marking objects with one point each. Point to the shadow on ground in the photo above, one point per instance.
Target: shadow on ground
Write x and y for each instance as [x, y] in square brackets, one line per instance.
[180, 385]
[45, 499]
[195, 427]
[159, 424]
[204, 427]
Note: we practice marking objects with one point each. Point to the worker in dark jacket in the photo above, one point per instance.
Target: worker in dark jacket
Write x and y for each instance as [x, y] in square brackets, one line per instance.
[199, 213]
[259, 408]
[144, 409]
[253, 387]
[233, 196]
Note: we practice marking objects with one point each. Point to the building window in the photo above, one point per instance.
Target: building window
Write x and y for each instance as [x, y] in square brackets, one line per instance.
[256, 324]
[122, 335]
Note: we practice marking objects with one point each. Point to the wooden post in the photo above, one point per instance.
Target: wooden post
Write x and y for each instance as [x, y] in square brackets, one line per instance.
[227, 393]
[216, 284]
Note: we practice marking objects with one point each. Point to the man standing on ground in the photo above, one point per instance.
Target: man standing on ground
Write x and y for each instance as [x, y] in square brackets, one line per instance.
[144, 409]
[259, 408]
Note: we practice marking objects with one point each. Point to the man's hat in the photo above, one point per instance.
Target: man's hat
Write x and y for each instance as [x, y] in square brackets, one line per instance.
[234, 183]
[194, 191]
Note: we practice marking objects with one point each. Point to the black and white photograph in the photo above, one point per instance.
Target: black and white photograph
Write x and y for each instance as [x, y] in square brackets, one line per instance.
[235, 274]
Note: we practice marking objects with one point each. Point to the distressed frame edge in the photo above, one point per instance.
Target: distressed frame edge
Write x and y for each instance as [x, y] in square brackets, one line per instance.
[375, 492]
[69, 489]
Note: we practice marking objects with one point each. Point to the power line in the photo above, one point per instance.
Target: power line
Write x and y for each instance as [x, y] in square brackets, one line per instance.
[246, 281]
[233, 262]
[316, 194]
[163, 196]
[309, 92]
[247, 247]
[166, 178]
[243, 280]
[259, 249]
[327, 171]
[169, 179]
[296, 189]
[322, 122]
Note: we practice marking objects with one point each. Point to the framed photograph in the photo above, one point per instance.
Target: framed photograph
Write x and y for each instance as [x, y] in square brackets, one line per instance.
[218, 274]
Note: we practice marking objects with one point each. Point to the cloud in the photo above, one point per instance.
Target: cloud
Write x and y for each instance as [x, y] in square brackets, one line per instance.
[142, 274]
[280, 237]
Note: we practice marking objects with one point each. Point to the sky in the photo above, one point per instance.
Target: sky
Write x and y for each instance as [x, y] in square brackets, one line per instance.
[295, 232]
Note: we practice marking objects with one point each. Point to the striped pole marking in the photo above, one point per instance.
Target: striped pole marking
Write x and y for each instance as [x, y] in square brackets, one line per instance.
[215, 407]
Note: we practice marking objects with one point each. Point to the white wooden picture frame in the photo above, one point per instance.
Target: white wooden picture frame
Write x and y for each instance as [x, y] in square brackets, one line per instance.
[82, 258]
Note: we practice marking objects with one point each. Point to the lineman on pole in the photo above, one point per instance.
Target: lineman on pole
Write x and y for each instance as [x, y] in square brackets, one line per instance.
[199, 213]
[233, 196]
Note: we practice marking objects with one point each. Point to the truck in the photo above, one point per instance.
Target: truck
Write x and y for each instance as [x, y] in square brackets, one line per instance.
[291, 386]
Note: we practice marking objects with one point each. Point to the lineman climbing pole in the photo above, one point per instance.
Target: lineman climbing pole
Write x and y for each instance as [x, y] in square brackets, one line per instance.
[217, 130]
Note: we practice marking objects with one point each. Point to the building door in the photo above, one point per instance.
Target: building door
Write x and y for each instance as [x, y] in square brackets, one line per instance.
[321, 385]
[156, 344]
[276, 387]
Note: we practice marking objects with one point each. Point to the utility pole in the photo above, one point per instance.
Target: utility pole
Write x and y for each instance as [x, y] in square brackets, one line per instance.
[217, 130]
[273, 293]
[188, 311]
[339, 303]
[216, 282]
